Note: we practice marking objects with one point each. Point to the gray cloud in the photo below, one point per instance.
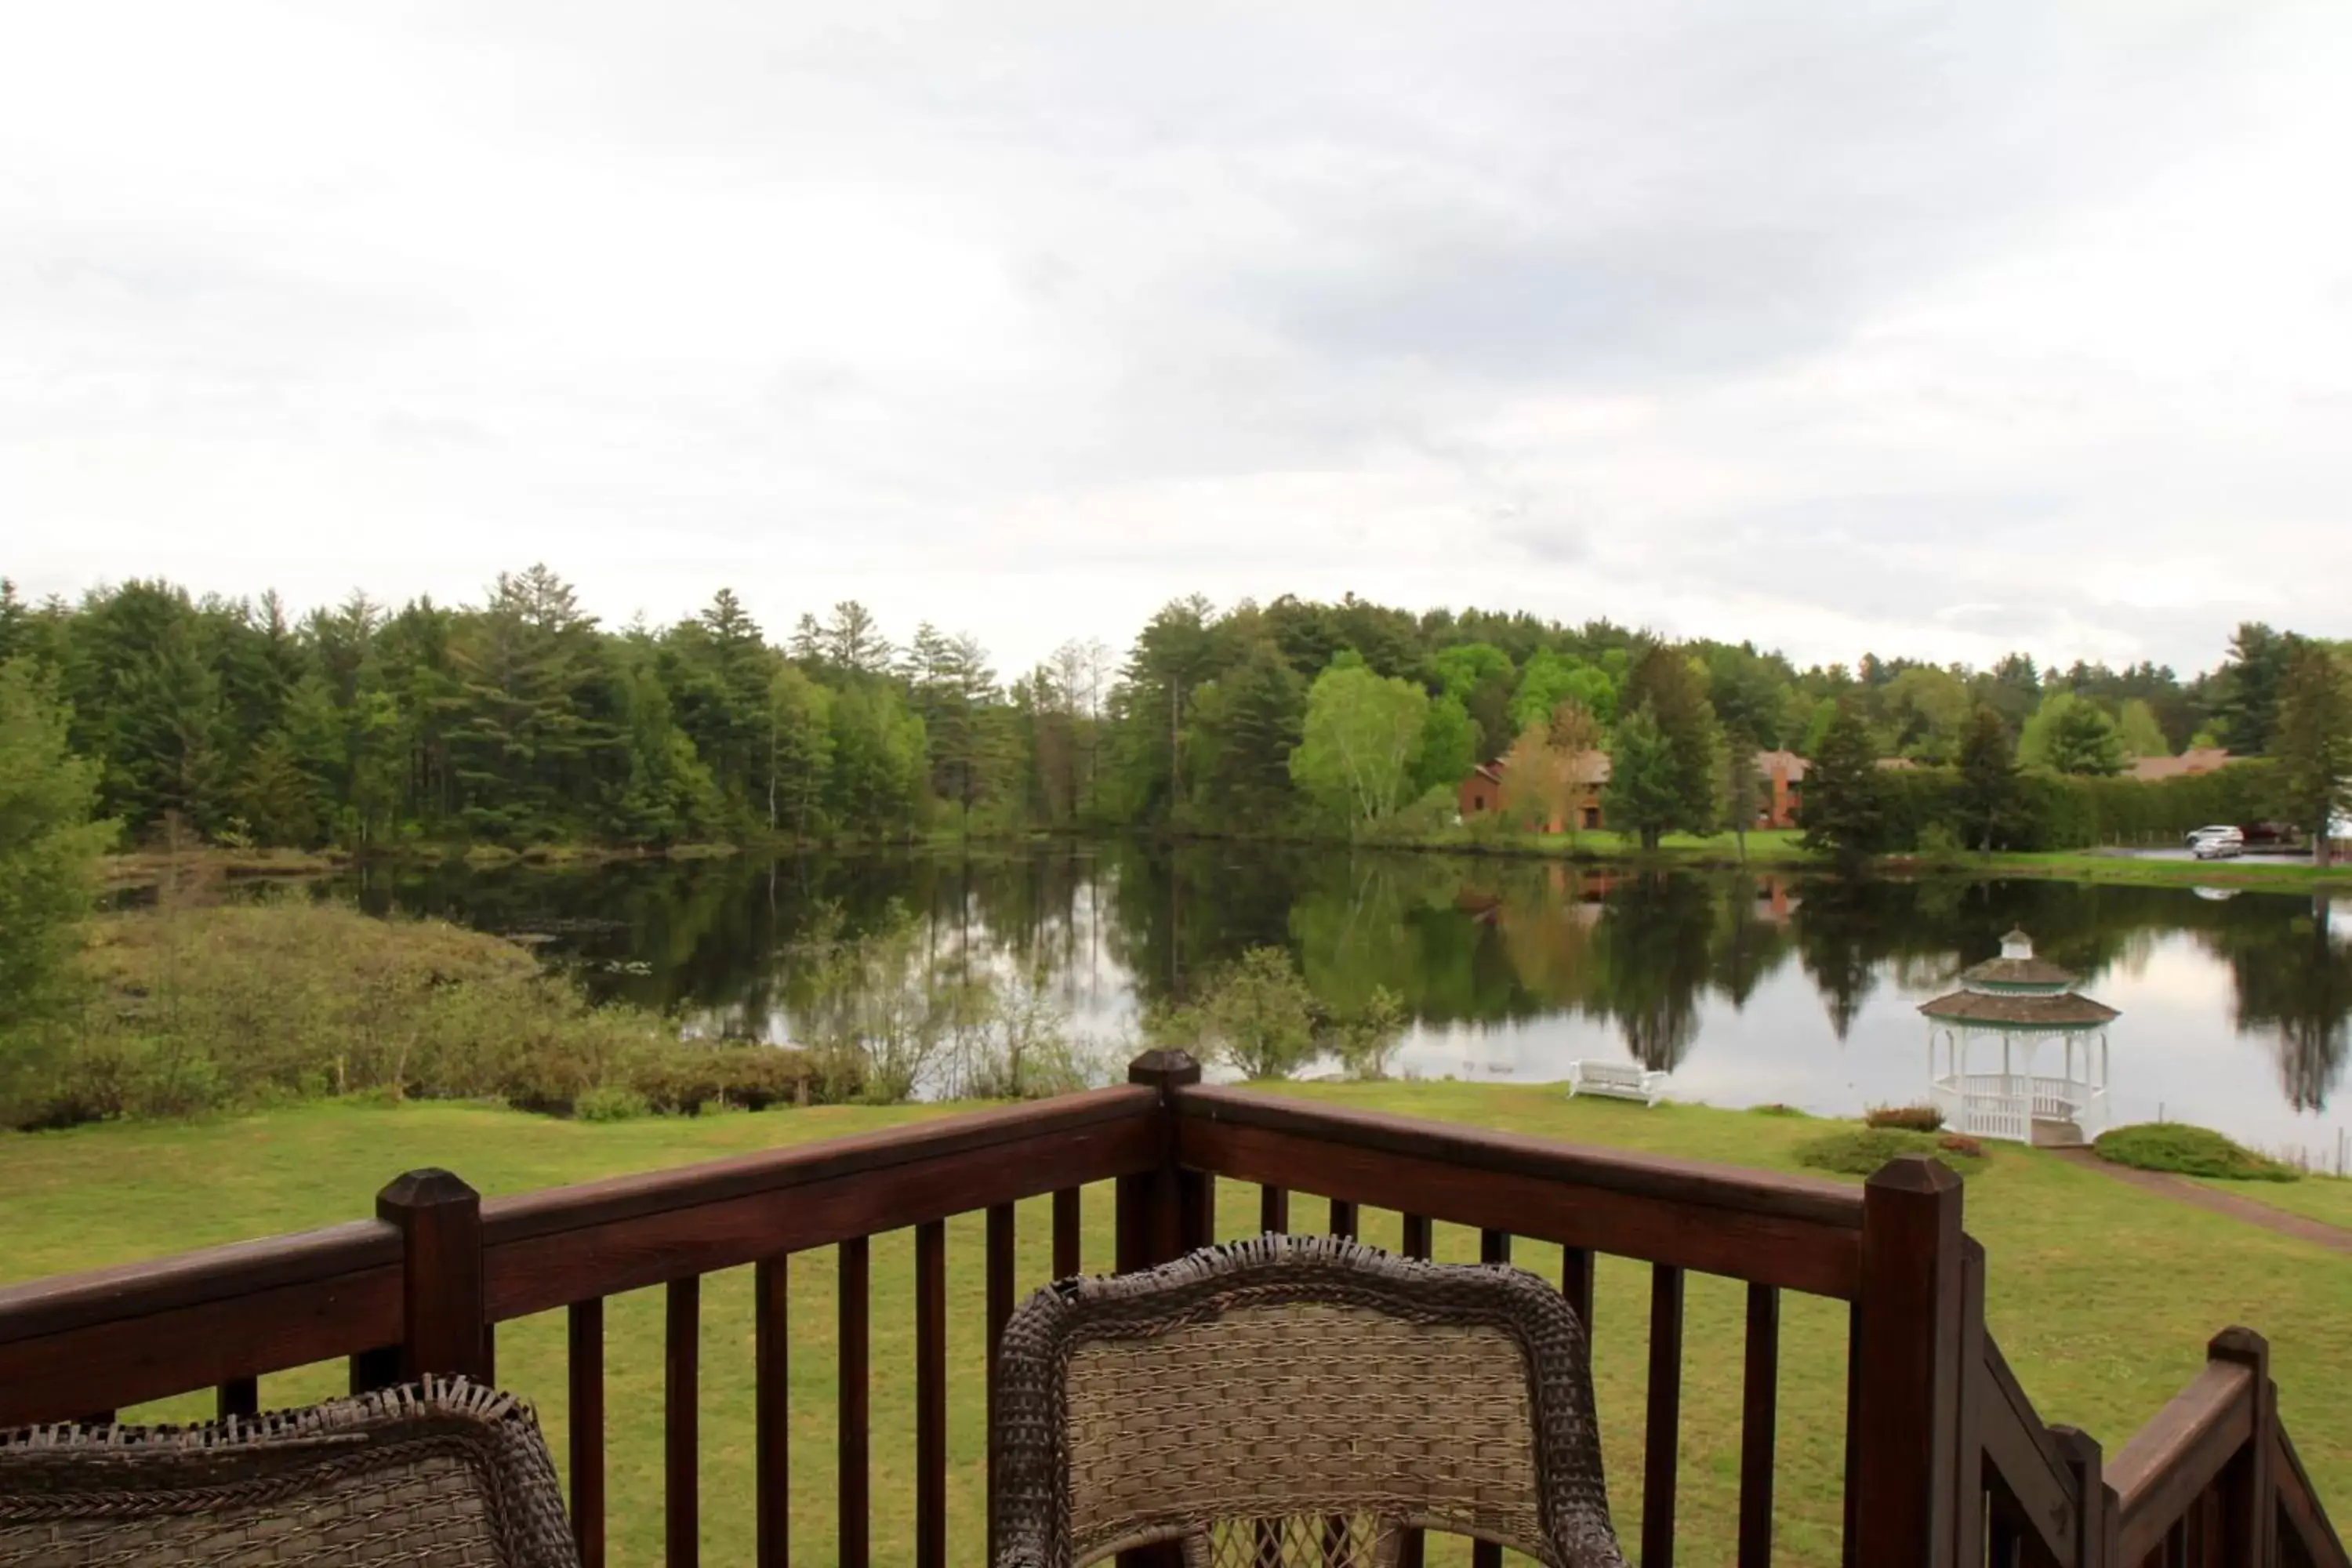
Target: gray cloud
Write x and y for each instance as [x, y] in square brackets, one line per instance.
[1931, 328]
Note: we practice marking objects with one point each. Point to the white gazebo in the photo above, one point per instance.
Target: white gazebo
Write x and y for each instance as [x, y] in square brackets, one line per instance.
[2014, 1019]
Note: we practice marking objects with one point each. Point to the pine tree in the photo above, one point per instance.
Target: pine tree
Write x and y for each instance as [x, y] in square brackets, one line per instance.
[2084, 740]
[1645, 792]
[1740, 786]
[1845, 808]
[1989, 804]
[49, 870]
[277, 797]
[2312, 740]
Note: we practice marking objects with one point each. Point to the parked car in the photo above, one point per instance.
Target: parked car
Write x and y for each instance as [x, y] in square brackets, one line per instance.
[2218, 830]
[2217, 847]
[2270, 833]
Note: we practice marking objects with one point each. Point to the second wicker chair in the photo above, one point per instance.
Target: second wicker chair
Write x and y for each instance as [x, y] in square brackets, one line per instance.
[1297, 1400]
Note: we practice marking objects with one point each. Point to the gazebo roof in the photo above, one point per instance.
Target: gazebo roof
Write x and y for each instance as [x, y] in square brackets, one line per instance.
[2018, 972]
[2017, 966]
[2048, 1010]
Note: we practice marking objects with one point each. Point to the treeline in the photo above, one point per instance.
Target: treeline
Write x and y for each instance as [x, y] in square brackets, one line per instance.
[522, 719]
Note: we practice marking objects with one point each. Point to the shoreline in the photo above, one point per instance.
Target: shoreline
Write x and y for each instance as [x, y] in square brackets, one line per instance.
[1775, 851]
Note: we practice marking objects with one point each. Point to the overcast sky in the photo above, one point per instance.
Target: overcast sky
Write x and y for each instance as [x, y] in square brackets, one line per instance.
[1925, 329]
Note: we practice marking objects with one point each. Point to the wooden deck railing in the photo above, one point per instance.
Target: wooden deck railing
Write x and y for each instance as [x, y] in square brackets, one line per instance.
[1946, 1462]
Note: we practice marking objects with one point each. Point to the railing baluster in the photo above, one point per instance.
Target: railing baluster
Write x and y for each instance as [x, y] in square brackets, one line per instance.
[584, 1437]
[1759, 1412]
[772, 1460]
[1273, 1210]
[1196, 1198]
[1417, 1239]
[682, 1490]
[237, 1396]
[1067, 1229]
[2003, 1543]
[1661, 1434]
[1000, 1239]
[1850, 1550]
[369, 1370]
[1343, 1219]
[1494, 1246]
[1575, 1284]
[851, 1450]
[931, 1394]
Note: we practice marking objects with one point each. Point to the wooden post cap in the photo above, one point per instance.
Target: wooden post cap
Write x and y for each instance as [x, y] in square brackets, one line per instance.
[1169, 1070]
[1922, 1173]
[431, 1188]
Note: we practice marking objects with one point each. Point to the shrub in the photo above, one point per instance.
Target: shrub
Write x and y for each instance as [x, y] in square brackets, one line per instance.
[1908, 1118]
[1777, 1109]
[1859, 1151]
[607, 1103]
[683, 1076]
[2186, 1150]
[1960, 1143]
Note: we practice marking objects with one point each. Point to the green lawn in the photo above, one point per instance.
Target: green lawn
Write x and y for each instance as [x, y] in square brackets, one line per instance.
[2102, 1296]
[2325, 1198]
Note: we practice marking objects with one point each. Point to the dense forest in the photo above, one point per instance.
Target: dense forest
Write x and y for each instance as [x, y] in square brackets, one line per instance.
[522, 719]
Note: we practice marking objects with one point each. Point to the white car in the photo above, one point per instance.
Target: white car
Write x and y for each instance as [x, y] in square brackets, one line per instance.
[2217, 847]
[2220, 830]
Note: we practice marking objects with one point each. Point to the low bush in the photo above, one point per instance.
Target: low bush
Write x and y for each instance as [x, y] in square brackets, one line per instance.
[1859, 1151]
[1960, 1143]
[1907, 1118]
[1776, 1109]
[689, 1074]
[2186, 1151]
[198, 1009]
[611, 1104]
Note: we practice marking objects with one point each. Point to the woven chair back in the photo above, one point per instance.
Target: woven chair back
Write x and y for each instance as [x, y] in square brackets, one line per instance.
[1297, 1400]
[444, 1473]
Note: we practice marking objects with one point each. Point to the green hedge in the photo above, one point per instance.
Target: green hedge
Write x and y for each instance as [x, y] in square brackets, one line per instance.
[2058, 811]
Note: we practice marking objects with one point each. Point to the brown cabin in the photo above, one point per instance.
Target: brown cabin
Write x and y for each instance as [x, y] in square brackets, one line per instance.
[1781, 773]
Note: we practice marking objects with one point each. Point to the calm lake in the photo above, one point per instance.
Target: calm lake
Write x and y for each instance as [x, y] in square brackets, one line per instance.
[1748, 989]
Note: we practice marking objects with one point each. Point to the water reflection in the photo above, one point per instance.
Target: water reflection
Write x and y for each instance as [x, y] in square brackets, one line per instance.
[1747, 988]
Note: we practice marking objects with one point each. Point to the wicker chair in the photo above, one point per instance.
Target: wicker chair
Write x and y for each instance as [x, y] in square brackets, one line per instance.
[1297, 1400]
[443, 1473]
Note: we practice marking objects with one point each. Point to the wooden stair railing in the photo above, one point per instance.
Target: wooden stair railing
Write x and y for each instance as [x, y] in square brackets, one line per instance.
[2213, 1477]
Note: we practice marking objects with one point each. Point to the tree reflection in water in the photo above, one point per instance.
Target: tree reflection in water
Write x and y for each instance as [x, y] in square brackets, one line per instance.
[1462, 941]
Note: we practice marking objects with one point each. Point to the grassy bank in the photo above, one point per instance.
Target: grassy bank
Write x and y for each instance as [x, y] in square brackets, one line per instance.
[2101, 1296]
[1783, 849]
[212, 1007]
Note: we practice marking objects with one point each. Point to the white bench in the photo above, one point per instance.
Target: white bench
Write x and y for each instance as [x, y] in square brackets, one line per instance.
[1617, 1081]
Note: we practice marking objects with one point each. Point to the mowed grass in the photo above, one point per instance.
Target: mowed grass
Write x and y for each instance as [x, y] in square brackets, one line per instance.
[2327, 1199]
[2102, 1296]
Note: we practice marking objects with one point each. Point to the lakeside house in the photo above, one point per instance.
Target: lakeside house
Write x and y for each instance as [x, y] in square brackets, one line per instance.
[1780, 777]
[2190, 764]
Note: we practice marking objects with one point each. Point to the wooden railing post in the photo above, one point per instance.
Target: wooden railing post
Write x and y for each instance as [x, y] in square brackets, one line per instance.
[2096, 1517]
[1906, 1367]
[440, 1220]
[1155, 1211]
[1161, 1214]
[2249, 1488]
